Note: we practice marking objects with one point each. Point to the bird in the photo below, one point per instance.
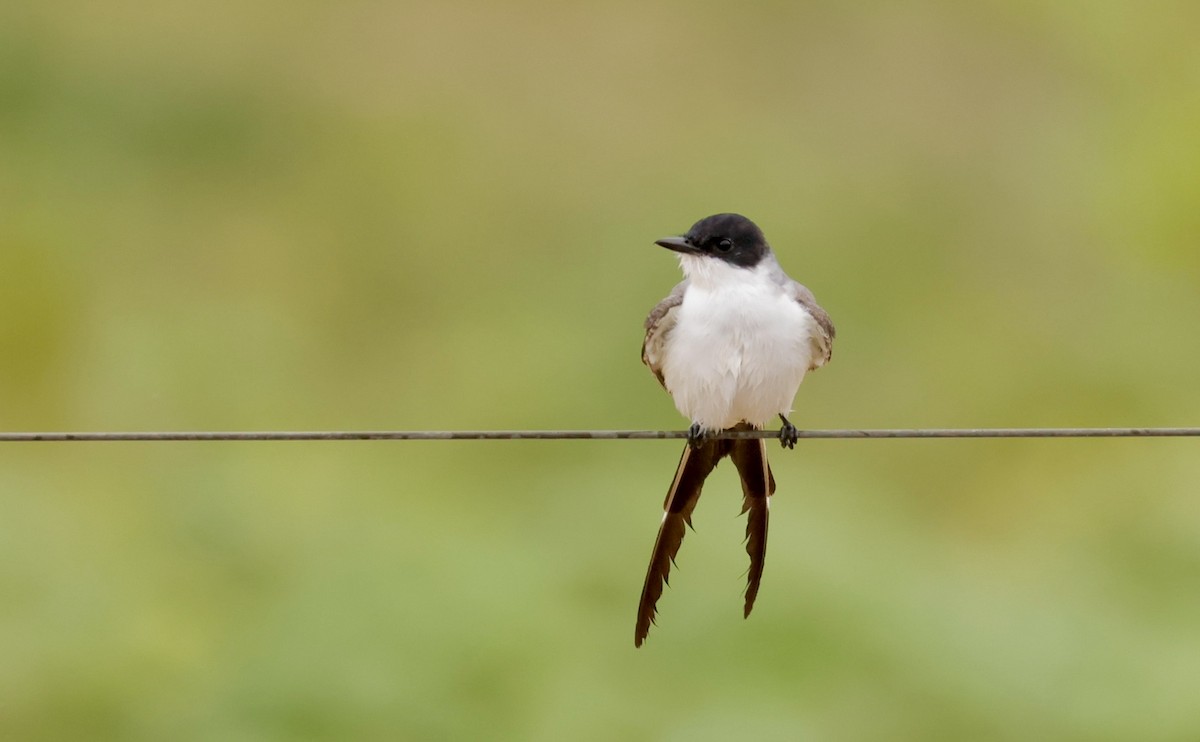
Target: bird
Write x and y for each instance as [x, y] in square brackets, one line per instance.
[731, 344]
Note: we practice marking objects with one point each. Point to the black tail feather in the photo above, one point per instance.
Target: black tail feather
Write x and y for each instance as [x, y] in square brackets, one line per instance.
[758, 484]
[694, 467]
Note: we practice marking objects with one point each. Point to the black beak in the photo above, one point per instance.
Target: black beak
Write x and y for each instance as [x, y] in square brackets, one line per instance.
[678, 244]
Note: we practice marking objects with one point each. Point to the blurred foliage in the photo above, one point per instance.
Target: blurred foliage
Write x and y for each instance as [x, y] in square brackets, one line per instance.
[396, 215]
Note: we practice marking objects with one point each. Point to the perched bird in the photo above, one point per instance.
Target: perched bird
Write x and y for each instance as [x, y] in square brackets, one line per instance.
[731, 344]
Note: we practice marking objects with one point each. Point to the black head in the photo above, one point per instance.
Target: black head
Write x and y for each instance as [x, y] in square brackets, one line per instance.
[729, 237]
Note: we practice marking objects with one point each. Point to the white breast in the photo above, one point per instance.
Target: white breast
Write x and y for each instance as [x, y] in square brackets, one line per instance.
[740, 346]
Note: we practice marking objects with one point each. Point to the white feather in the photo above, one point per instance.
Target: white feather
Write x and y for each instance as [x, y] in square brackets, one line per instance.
[740, 346]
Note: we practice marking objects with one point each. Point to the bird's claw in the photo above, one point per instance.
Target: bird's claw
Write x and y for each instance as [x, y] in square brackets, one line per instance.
[788, 433]
[698, 436]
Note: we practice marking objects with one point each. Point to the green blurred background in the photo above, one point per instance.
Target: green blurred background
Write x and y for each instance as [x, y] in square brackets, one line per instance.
[373, 215]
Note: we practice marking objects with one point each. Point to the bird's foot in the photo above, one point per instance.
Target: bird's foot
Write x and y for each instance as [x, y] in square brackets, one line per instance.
[788, 434]
[698, 436]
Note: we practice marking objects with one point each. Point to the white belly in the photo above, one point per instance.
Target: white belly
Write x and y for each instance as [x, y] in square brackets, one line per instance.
[737, 355]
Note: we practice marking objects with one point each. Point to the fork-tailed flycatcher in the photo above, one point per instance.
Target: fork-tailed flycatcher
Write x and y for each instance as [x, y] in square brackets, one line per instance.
[731, 344]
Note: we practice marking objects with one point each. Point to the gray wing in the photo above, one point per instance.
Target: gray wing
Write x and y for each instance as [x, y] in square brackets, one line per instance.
[658, 326]
[822, 341]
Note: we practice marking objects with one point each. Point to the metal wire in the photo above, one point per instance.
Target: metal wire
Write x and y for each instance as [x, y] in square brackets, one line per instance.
[488, 435]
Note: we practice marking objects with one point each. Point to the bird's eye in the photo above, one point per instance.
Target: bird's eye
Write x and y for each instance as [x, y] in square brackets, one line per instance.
[725, 245]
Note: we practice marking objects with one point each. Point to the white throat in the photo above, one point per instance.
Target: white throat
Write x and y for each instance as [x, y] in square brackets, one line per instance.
[740, 347]
[711, 273]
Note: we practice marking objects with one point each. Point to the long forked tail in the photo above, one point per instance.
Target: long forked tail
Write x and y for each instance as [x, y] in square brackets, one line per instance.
[758, 484]
[694, 467]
